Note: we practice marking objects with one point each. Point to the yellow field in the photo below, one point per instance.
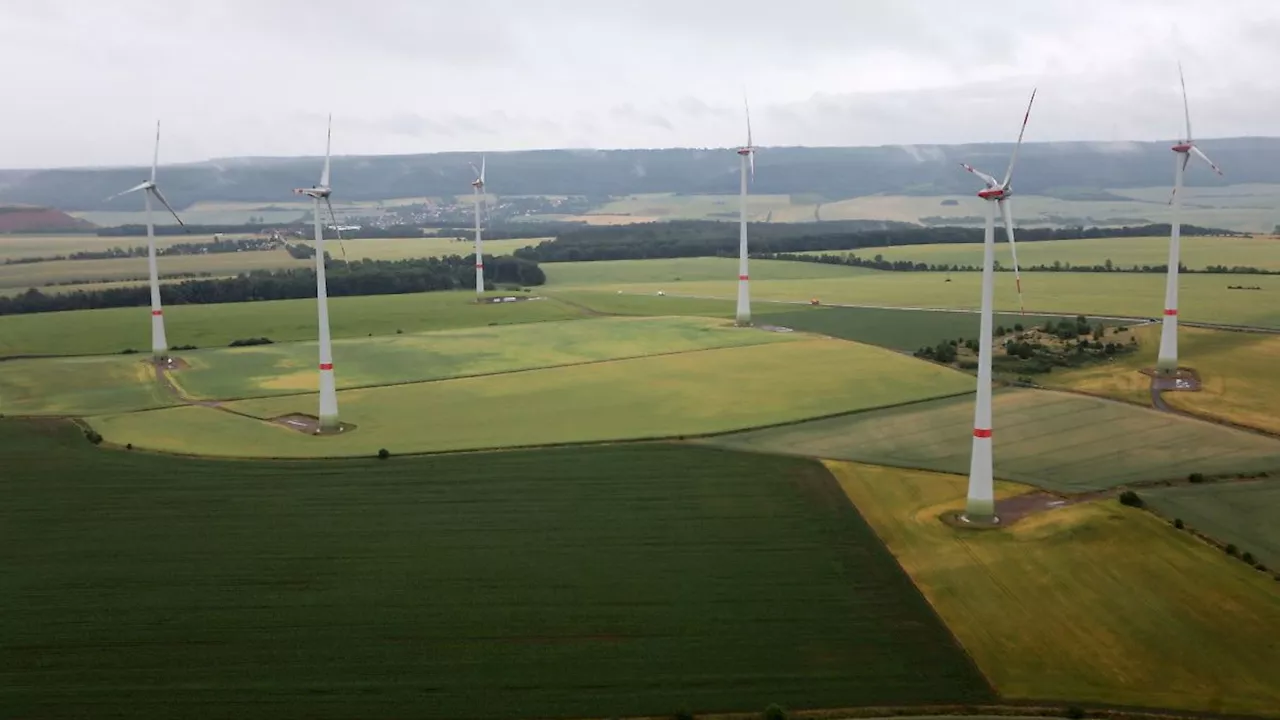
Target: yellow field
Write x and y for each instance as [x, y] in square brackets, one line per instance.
[1089, 603]
[27, 246]
[1238, 371]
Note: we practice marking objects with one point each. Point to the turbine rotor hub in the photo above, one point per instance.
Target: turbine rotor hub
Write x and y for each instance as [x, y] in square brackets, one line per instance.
[1182, 147]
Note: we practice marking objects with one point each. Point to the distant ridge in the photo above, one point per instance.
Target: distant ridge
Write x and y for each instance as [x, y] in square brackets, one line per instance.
[1072, 170]
[28, 219]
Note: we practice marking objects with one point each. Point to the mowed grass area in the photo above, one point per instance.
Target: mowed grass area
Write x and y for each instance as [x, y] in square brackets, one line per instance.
[898, 329]
[80, 386]
[701, 392]
[1195, 252]
[424, 247]
[565, 583]
[680, 270]
[1204, 298]
[361, 362]
[1092, 603]
[38, 275]
[113, 330]
[1246, 513]
[1239, 373]
[1067, 443]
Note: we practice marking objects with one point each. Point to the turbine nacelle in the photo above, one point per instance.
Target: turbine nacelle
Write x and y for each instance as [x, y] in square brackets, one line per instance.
[1182, 147]
[995, 193]
[319, 193]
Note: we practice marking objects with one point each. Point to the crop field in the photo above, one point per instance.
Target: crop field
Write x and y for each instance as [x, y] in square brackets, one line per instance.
[1196, 252]
[1249, 208]
[1067, 443]
[1204, 298]
[114, 269]
[409, 248]
[614, 303]
[715, 390]
[14, 247]
[1238, 373]
[898, 329]
[561, 583]
[213, 216]
[113, 330]
[1246, 513]
[1090, 603]
[680, 270]
[79, 386]
[289, 368]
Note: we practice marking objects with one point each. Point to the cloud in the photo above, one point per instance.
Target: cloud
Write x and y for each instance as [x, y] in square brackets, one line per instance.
[240, 77]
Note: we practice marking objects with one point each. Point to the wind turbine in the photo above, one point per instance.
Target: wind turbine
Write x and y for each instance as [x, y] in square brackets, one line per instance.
[980, 505]
[1167, 360]
[477, 187]
[747, 154]
[328, 390]
[159, 344]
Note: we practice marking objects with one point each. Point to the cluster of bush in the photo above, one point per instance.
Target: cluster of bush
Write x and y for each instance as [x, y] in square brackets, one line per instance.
[362, 277]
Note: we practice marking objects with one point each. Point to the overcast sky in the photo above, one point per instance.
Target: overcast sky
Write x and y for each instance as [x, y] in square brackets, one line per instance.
[86, 80]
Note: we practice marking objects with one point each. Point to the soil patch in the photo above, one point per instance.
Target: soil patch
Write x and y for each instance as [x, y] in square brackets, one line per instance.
[1012, 509]
[310, 424]
[508, 299]
[775, 328]
[170, 363]
[1185, 379]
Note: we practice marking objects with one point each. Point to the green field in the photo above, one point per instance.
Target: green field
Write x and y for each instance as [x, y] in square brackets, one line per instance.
[898, 329]
[1093, 603]
[409, 248]
[1239, 381]
[1246, 513]
[38, 275]
[1063, 442]
[1204, 298]
[680, 270]
[1195, 252]
[290, 367]
[112, 330]
[563, 583]
[701, 392]
[80, 386]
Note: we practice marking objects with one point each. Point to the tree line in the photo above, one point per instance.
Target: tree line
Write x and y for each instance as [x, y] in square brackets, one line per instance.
[192, 248]
[880, 263]
[696, 238]
[362, 277]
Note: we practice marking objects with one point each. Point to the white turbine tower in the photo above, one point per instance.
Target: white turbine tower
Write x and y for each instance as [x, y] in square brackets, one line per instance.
[981, 504]
[159, 344]
[1167, 360]
[747, 154]
[477, 187]
[328, 390]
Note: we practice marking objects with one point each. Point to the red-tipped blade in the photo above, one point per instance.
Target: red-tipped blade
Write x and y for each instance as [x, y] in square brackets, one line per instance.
[1014, 158]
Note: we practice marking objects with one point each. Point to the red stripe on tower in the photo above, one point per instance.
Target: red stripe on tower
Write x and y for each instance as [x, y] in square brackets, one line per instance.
[479, 265]
[326, 366]
[981, 433]
[1171, 312]
[157, 312]
[742, 277]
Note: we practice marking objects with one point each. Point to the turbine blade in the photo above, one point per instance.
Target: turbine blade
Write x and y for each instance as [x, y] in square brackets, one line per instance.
[155, 159]
[1205, 158]
[336, 231]
[482, 170]
[134, 189]
[328, 142]
[1007, 211]
[1186, 158]
[160, 196]
[474, 170]
[747, 107]
[990, 181]
[1008, 175]
[751, 162]
[1186, 109]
